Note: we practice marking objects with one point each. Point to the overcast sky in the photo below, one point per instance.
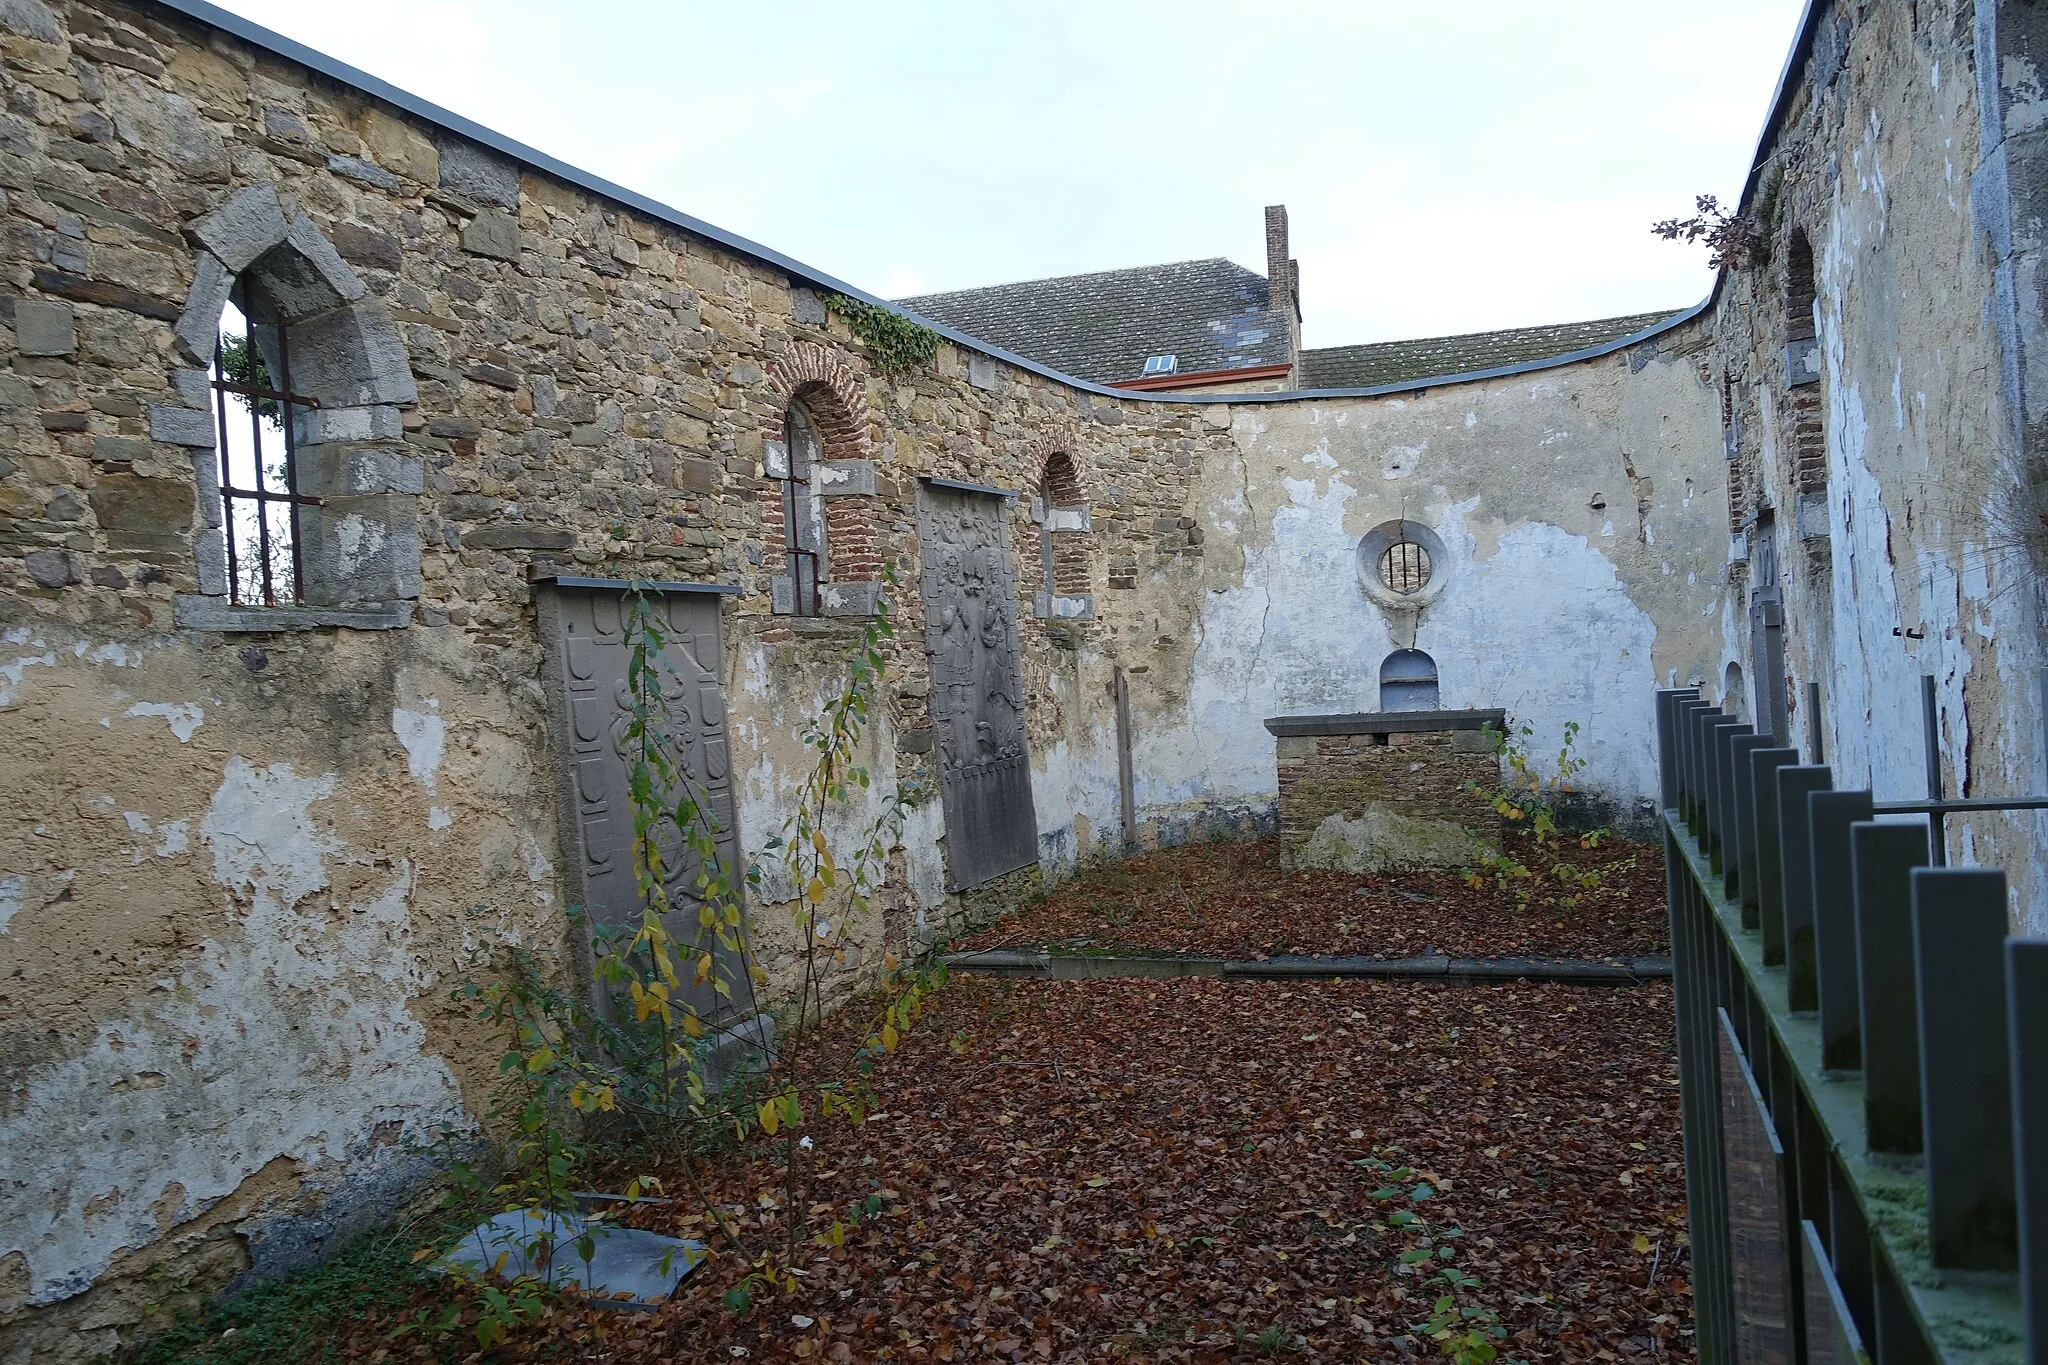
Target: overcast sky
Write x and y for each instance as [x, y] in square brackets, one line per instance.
[1447, 168]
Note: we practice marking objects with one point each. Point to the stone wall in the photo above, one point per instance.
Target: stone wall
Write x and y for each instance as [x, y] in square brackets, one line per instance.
[1582, 536]
[247, 854]
[1884, 424]
[1379, 792]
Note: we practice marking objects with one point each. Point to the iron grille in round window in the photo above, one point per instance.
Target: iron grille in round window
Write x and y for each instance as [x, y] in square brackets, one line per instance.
[1404, 568]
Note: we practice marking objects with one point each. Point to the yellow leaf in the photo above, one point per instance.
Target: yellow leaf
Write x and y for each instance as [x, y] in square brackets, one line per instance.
[692, 1025]
[771, 1117]
[1642, 1244]
[540, 1059]
[815, 892]
[889, 1038]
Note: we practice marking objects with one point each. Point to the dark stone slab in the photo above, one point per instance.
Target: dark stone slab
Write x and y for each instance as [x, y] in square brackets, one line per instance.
[1795, 841]
[1834, 926]
[1959, 922]
[1387, 722]
[1885, 855]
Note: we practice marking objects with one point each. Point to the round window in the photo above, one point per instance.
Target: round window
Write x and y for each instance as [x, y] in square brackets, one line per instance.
[1401, 565]
[1404, 568]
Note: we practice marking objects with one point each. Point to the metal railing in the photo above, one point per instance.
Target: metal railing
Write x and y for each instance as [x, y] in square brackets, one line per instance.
[1863, 1062]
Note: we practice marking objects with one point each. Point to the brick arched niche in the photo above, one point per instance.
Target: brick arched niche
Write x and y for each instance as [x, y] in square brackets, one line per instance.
[1806, 438]
[818, 515]
[1059, 510]
[360, 541]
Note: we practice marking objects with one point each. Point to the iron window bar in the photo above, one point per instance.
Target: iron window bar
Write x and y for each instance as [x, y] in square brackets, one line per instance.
[261, 495]
[797, 553]
[1405, 567]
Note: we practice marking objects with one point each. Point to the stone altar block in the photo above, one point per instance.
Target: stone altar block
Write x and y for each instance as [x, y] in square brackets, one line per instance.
[1386, 790]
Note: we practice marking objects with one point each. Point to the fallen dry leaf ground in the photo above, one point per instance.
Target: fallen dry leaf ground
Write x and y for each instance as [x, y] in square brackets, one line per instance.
[1167, 1170]
[1234, 900]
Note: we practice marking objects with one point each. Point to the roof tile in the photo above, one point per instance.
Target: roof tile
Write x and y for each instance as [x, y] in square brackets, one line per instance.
[1208, 315]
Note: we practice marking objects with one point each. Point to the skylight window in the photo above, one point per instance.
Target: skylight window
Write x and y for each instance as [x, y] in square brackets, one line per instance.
[1160, 364]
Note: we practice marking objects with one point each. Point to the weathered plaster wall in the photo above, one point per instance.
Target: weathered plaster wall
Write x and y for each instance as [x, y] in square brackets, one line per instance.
[1583, 553]
[239, 873]
[1920, 554]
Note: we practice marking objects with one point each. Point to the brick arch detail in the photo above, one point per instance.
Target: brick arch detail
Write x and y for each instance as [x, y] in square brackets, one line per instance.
[1049, 455]
[822, 379]
[1038, 456]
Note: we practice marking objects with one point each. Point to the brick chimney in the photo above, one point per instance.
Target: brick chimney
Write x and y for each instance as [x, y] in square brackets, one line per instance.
[1283, 286]
[1283, 272]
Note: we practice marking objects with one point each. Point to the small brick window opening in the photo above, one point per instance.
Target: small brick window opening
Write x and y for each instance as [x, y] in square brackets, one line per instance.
[257, 414]
[1404, 567]
[1062, 549]
[803, 512]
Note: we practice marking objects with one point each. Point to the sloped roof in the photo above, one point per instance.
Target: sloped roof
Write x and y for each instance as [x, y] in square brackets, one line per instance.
[1395, 362]
[1208, 315]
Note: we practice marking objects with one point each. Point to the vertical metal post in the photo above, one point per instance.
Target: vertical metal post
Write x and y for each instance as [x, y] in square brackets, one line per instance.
[1930, 724]
[1834, 927]
[1795, 843]
[291, 462]
[1684, 725]
[1667, 742]
[1715, 730]
[1769, 882]
[2026, 994]
[256, 453]
[1698, 1103]
[1742, 869]
[1125, 783]
[1725, 771]
[1813, 730]
[227, 477]
[1885, 856]
[1959, 920]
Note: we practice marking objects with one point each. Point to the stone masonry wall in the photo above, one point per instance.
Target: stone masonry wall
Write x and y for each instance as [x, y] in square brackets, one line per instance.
[272, 854]
[1418, 776]
[271, 849]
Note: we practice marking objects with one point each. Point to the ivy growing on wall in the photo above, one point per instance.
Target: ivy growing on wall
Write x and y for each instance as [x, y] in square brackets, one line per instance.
[896, 342]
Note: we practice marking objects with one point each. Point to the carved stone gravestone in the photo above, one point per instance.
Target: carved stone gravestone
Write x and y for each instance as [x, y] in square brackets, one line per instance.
[977, 702]
[585, 628]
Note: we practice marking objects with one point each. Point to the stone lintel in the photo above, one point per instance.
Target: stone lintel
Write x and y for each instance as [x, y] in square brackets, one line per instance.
[196, 612]
[1387, 722]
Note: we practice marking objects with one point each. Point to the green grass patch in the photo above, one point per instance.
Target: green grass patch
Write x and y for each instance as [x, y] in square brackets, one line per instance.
[293, 1319]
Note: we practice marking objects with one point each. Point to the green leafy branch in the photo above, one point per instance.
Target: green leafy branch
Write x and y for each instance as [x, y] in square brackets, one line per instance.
[1468, 1333]
[896, 343]
[1526, 798]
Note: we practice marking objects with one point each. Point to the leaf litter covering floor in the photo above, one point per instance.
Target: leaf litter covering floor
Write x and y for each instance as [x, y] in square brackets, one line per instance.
[1234, 900]
[1192, 1174]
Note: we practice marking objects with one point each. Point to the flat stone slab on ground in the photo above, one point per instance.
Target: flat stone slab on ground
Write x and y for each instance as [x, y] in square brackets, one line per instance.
[628, 1267]
[1080, 966]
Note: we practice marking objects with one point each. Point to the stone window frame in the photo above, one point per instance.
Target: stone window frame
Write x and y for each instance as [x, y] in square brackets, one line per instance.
[820, 382]
[361, 546]
[1376, 542]
[1059, 507]
[1411, 671]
